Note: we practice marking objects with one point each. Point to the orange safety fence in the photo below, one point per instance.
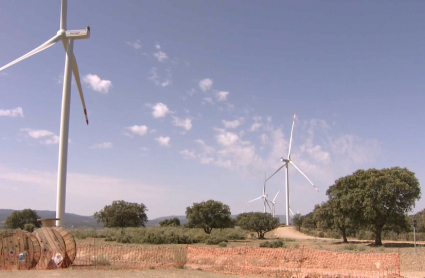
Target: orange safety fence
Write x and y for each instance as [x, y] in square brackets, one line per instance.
[256, 261]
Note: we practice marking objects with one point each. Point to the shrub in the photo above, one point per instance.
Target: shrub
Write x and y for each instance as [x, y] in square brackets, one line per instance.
[222, 244]
[29, 227]
[215, 240]
[273, 244]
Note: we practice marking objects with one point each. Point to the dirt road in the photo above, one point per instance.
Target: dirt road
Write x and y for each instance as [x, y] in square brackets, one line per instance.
[291, 232]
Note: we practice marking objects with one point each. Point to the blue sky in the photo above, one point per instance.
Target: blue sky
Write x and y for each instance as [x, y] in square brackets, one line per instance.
[193, 100]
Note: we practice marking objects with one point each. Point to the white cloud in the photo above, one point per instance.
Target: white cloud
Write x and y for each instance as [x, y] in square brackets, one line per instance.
[205, 84]
[209, 100]
[97, 84]
[166, 83]
[15, 112]
[264, 138]
[155, 78]
[157, 46]
[105, 145]
[188, 154]
[227, 138]
[185, 123]
[138, 129]
[160, 110]
[135, 45]
[161, 56]
[232, 124]
[255, 126]
[222, 96]
[163, 141]
[49, 137]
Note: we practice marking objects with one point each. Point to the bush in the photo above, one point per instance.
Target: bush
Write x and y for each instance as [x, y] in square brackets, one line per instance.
[273, 244]
[215, 240]
[29, 227]
[222, 244]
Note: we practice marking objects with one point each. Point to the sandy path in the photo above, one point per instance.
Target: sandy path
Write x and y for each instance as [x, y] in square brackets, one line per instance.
[291, 232]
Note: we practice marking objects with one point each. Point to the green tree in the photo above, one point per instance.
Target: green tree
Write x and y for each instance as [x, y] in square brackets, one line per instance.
[173, 222]
[18, 219]
[258, 222]
[309, 222]
[328, 216]
[297, 221]
[209, 215]
[377, 199]
[121, 214]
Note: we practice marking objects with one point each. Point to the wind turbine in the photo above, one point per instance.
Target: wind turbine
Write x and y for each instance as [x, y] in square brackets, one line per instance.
[67, 38]
[264, 196]
[288, 161]
[274, 203]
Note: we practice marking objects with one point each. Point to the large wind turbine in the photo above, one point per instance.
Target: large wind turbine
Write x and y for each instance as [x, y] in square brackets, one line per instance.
[288, 161]
[67, 38]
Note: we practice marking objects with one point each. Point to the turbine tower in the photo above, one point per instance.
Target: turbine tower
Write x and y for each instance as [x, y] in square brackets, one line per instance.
[67, 38]
[288, 161]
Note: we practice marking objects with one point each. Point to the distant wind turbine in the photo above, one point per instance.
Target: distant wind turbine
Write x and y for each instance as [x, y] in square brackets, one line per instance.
[274, 204]
[286, 164]
[67, 38]
[264, 196]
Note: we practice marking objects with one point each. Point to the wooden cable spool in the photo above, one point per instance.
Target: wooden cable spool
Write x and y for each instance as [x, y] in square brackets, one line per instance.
[70, 244]
[53, 248]
[19, 250]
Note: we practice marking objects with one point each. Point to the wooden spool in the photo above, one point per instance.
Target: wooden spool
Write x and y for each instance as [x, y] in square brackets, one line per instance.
[53, 248]
[18, 250]
[71, 246]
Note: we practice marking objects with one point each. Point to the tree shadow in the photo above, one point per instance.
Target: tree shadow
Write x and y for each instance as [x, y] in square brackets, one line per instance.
[402, 245]
[351, 242]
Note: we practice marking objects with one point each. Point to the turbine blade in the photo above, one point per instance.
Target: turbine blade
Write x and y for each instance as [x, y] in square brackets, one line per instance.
[255, 199]
[264, 186]
[290, 140]
[42, 47]
[276, 172]
[275, 196]
[291, 212]
[77, 80]
[304, 175]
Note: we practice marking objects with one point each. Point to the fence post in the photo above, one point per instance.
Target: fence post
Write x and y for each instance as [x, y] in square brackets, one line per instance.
[94, 247]
[244, 260]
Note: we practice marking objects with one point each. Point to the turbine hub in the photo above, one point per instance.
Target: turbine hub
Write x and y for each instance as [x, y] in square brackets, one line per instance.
[61, 32]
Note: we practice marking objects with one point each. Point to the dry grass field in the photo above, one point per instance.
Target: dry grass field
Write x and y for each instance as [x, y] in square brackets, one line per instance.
[412, 264]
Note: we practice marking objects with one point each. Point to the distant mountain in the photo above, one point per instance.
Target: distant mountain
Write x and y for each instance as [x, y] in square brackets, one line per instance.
[72, 220]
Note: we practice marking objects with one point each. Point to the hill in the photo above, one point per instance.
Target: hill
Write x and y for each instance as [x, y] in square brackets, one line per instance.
[72, 220]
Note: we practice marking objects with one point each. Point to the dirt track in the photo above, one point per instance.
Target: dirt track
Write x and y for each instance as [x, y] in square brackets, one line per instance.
[291, 232]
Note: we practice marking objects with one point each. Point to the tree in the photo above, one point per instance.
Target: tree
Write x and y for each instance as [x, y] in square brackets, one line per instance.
[297, 220]
[377, 199]
[173, 222]
[329, 216]
[258, 222]
[121, 214]
[18, 219]
[209, 215]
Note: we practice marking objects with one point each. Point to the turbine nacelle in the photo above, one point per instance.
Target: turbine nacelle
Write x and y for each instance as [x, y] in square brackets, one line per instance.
[78, 34]
[284, 160]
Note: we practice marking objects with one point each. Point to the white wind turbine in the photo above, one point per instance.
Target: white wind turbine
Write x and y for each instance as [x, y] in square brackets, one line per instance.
[67, 38]
[286, 164]
[274, 203]
[264, 196]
